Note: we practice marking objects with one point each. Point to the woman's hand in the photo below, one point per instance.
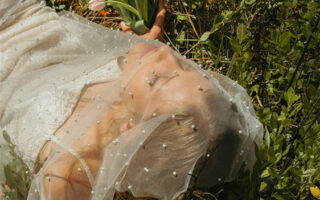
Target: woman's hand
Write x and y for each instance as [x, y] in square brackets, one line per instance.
[156, 31]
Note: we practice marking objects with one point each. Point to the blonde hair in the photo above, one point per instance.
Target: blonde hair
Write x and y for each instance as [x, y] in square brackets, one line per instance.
[179, 139]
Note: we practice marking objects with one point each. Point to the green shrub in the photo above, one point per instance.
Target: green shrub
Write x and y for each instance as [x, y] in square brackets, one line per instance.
[272, 49]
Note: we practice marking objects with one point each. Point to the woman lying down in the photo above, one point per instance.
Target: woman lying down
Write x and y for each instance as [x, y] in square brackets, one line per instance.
[92, 111]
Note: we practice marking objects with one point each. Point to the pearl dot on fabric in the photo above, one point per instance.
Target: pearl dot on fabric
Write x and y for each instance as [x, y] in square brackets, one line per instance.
[174, 173]
[115, 141]
[130, 94]
[148, 80]
[204, 75]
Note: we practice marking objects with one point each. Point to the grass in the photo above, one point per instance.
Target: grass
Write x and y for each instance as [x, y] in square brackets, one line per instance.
[271, 47]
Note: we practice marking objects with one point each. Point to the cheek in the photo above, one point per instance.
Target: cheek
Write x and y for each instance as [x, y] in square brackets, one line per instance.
[141, 95]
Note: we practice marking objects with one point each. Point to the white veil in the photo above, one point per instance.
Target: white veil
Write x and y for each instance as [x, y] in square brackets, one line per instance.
[144, 160]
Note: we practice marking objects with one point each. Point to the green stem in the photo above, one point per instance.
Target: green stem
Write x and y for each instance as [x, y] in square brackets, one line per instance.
[126, 6]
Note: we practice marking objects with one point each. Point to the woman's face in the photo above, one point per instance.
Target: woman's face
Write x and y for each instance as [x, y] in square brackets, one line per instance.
[153, 77]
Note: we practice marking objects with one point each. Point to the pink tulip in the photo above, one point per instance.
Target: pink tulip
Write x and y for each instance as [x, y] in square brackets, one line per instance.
[96, 5]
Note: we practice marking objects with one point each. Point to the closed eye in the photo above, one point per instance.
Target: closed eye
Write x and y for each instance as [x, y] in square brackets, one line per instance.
[168, 78]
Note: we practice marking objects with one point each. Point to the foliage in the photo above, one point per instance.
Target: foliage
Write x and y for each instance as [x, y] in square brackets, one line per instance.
[271, 47]
[138, 14]
[18, 178]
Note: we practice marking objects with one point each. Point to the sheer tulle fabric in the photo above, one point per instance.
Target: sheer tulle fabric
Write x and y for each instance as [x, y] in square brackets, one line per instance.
[48, 56]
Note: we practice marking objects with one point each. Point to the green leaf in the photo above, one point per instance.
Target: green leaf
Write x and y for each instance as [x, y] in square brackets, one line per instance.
[142, 8]
[6, 137]
[62, 7]
[227, 14]
[308, 172]
[139, 27]
[285, 39]
[262, 186]
[265, 173]
[267, 138]
[126, 6]
[8, 174]
[235, 45]
[181, 37]
[205, 36]
[290, 96]
[279, 196]
[182, 18]
[241, 32]
[250, 2]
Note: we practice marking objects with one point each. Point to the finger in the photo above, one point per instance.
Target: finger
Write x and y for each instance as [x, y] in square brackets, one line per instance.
[157, 28]
[161, 7]
[161, 14]
[124, 27]
[150, 36]
[130, 32]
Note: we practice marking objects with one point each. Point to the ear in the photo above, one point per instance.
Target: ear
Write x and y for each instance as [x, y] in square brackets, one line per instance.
[125, 126]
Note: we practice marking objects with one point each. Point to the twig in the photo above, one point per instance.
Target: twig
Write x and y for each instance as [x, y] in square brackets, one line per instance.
[259, 101]
[172, 44]
[189, 18]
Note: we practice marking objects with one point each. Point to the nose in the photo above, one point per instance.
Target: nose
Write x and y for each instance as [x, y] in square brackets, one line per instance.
[165, 49]
[166, 53]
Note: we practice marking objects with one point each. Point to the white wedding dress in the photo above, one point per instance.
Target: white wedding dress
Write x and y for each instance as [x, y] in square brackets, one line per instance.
[45, 61]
